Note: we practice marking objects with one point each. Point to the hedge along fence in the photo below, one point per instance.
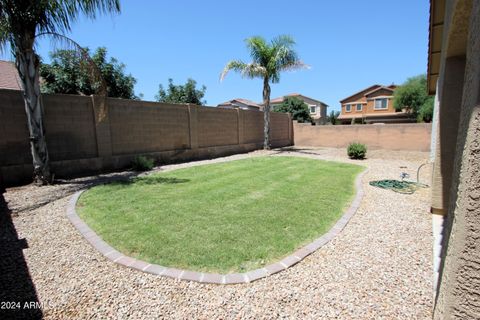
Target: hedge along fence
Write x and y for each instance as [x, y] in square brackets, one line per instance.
[401, 136]
[93, 134]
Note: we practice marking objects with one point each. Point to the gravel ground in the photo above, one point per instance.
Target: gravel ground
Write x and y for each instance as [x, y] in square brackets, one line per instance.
[378, 267]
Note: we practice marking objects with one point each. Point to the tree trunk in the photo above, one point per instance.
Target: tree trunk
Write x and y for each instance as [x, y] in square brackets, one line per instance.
[27, 63]
[266, 114]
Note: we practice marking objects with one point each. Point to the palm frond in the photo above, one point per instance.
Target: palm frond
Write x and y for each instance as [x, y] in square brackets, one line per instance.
[247, 70]
[50, 16]
[295, 65]
[284, 41]
[259, 49]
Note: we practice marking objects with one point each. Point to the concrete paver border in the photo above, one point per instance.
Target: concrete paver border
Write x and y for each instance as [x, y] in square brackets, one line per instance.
[235, 278]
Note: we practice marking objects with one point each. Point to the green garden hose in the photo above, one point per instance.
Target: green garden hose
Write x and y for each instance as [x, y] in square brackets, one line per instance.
[405, 187]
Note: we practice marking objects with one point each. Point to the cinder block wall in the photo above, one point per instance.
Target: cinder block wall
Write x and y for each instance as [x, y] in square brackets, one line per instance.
[411, 136]
[87, 135]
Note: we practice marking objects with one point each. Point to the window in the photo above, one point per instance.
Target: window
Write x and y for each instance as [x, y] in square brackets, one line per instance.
[381, 104]
[359, 107]
[313, 109]
[348, 107]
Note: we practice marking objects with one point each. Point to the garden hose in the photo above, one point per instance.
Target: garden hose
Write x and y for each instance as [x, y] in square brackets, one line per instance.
[400, 186]
[405, 187]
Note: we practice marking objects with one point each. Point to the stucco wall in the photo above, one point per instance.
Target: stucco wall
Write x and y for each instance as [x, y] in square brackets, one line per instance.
[92, 134]
[414, 137]
[459, 289]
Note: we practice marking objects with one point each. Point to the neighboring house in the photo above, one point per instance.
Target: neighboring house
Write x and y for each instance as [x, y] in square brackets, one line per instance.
[239, 103]
[9, 78]
[372, 105]
[318, 109]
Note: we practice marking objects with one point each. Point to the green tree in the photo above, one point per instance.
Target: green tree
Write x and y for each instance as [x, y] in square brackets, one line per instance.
[333, 117]
[268, 61]
[412, 96]
[69, 73]
[295, 106]
[21, 22]
[187, 93]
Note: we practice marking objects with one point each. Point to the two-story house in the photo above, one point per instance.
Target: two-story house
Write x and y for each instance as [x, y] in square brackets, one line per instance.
[318, 109]
[372, 105]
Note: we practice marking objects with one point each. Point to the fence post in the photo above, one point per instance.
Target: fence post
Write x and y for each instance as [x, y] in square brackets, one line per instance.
[290, 129]
[241, 126]
[193, 125]
[102, 129]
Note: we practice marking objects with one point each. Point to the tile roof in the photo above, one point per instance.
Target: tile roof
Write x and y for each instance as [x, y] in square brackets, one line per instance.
[370, 90]
[380, 88]
[9, 78]
[244, 101]
[280, 99]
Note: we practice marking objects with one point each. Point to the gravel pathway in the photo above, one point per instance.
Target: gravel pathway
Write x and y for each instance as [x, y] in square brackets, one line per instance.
[378, 267]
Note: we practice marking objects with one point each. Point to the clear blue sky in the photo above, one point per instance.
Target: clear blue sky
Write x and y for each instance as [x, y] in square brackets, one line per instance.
[348, 44]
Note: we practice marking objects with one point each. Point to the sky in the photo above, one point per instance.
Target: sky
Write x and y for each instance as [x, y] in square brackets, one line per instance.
[349, 44]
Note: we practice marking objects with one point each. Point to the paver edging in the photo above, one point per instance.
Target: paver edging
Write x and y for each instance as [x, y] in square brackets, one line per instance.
[117, 257]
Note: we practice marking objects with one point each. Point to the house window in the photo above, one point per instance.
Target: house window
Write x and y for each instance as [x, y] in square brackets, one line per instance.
[313, 109]
[381, 104]
[359, 107]
[348, 107]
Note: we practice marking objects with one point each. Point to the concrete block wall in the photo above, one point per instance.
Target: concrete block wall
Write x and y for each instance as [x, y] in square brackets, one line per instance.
[14, 143]
[87, 135]
[217, 127]
[142, 127]
[410, 137]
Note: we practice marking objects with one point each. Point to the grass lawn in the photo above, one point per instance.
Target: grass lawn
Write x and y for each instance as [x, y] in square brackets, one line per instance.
[227, 217]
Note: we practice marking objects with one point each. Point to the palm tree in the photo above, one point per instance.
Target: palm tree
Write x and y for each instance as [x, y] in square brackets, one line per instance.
[269, 59]
[21, 22]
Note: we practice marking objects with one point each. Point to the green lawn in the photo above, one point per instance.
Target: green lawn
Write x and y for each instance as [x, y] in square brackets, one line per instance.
[226, 217]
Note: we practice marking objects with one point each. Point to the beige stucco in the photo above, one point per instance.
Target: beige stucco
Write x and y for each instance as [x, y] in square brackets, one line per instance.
[456, 179]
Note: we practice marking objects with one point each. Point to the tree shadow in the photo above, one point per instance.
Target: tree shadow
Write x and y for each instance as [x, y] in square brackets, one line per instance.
[17, 292]
[149, 180]
[297, 150]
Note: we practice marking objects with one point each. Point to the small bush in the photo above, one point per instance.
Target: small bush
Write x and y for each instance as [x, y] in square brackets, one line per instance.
[142, 163]
[356, 151]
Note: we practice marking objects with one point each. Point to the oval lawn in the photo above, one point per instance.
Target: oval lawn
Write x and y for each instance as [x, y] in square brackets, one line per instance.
[225, 217]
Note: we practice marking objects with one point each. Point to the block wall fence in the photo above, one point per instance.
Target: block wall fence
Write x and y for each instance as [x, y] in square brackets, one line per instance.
[92, 134]
[401, 136]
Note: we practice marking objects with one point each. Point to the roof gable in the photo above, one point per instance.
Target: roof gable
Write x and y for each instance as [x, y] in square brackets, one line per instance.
[359, 94]
[381, 90]
[298, 95]
[240, 101]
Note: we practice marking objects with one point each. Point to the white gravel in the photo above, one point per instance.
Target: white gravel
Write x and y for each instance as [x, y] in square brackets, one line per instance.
[378, 267]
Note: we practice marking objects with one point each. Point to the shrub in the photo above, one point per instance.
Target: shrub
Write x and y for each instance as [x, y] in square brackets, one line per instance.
[356, 151]
[142, 163]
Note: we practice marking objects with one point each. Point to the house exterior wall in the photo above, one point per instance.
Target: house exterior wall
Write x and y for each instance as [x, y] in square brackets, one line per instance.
[368, 108]
[320, 114]
[87, 135]
[459, 284]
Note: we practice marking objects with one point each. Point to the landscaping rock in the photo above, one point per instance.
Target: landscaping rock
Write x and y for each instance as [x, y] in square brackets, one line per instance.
[379, 266]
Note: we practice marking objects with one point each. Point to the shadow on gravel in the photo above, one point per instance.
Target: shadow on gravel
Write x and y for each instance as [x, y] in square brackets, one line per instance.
[298, 150]
[18, 297]
[64, 188]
